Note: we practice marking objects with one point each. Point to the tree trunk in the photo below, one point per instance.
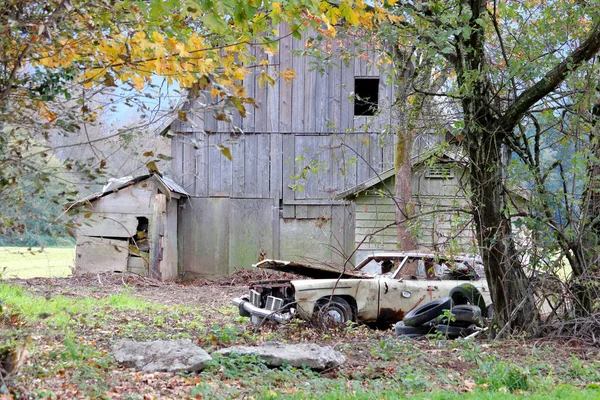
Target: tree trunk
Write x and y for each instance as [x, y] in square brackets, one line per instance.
[403, 193]
[513, 300]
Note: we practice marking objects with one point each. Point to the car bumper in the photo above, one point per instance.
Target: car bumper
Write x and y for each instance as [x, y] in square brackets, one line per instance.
[257, 314]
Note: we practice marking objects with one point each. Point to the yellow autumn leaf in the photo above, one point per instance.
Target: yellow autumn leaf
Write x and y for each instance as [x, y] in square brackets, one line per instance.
[275, 9]
[138, 82]
[158, 37]
[288, 75]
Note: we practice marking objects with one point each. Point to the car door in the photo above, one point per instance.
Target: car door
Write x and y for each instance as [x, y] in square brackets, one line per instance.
[399, 295]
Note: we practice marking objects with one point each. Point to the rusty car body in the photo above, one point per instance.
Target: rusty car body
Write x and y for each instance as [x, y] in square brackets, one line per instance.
[379, 291]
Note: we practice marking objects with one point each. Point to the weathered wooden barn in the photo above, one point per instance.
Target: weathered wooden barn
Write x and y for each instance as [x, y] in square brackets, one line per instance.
[131, 225]
[321, 134]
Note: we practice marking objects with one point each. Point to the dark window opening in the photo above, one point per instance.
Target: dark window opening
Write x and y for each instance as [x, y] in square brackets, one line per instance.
[366, 96]
[140, 239]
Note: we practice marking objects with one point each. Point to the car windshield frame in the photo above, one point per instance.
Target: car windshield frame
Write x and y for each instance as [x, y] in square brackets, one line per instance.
[469, 262]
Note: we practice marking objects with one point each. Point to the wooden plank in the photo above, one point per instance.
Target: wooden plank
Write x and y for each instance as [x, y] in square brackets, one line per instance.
[135, 199]
[98, 255]
[248, 124]
[376, 154]
[389, 148]
[363, 171]
[168, 266]
[156, 235]
[338, 227]
[350, 159]
[346, 104]
[189, 165]
[263, 161]
[304, 150]
[336, 164]
[202, 164]
[238, 154]
[108, 225]
[177, 161]
[298, 88]
[275, 223]
[226, 165]
[321, 101]
[324, 175]
[349, 234]
[285, 88]
[251, 172]
[276, 167]
[334, 96]
[301, 212]
[261, 114]
[204, 229]
[288, 166]
[273, 112]
[215, 185]
[310, 96]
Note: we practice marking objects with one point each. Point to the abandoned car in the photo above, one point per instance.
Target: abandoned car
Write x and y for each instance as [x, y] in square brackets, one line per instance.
[379, 291]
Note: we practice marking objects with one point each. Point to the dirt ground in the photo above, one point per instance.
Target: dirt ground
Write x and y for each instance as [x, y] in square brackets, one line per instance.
[371, 354]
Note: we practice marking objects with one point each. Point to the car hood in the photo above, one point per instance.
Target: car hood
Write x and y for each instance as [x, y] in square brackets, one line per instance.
[310, 271]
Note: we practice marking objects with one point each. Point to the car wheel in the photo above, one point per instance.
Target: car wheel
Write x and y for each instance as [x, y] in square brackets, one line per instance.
[401, 329]
[468, 294]
[428, 311]
[334, 311]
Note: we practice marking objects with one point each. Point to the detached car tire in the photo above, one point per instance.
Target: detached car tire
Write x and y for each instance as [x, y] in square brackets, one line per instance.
[410, 336]
[334, 311]
[468, 294]
[428, 311]
[452, 331]
[401, 329]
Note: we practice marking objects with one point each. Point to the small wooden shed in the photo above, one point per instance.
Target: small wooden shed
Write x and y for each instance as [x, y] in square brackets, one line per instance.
[130, 226]
[438, 196]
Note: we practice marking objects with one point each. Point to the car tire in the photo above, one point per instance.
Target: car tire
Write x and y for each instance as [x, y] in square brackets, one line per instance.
[468, 294]
[333, 311]
[411, 336]
[453, 331]
[428, 311]
[401, 329]
[462, 314]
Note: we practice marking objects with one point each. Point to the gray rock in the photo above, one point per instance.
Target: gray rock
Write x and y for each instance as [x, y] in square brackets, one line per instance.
[161, 355]
[274, 354]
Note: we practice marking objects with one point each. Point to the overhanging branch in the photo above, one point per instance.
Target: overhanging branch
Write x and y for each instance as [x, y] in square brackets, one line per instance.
[552, 79]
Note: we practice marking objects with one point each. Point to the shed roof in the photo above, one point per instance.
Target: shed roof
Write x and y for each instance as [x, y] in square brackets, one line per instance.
[418, 159]
[167, 185]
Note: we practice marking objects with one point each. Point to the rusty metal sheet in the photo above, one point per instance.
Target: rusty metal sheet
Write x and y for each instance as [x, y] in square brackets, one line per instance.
[309, 271]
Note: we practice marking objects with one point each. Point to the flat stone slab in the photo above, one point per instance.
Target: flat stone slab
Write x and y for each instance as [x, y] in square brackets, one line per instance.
[275, 354]
[161, 355]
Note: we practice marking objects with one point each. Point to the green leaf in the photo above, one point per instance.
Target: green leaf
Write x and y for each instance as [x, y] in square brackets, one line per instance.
[215, 23]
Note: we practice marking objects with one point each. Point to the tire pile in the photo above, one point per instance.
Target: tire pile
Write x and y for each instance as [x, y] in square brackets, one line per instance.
[467, 309]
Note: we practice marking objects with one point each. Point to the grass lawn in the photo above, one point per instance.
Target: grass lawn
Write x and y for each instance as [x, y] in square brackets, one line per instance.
[21, 262]
[68, 327]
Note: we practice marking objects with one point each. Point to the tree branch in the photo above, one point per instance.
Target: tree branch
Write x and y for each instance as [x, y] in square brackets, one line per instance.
[551, 80]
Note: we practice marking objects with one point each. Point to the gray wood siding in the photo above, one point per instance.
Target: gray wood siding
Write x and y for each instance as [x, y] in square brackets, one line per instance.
[293, 167]
[315, 101]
